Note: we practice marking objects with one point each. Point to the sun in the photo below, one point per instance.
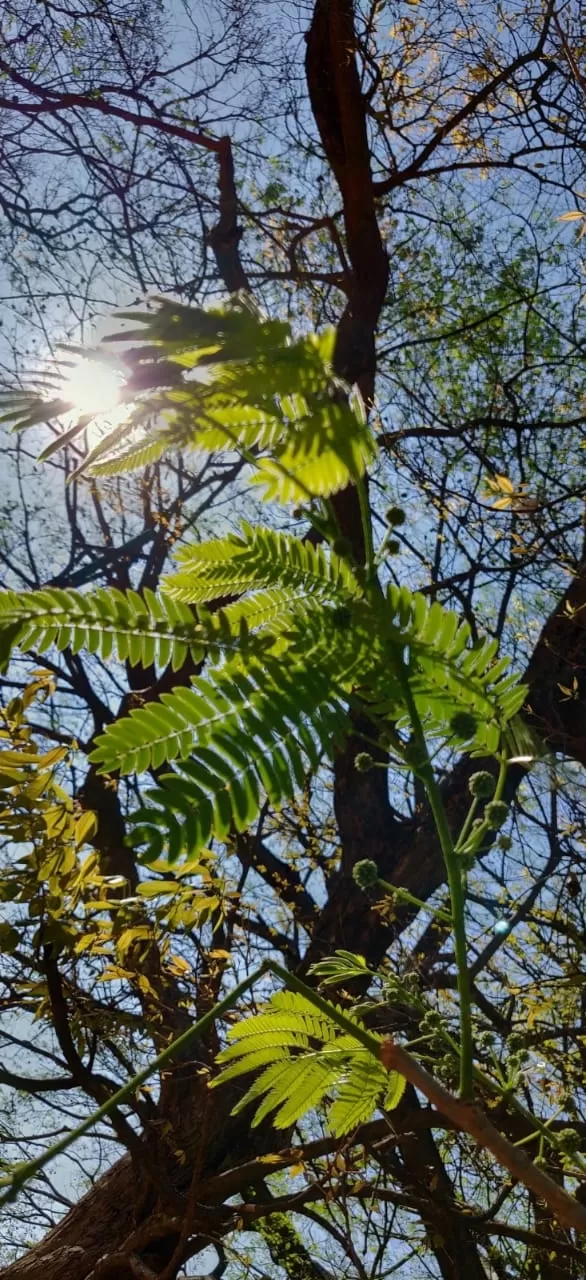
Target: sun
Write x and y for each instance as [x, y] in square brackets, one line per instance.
[94, 388]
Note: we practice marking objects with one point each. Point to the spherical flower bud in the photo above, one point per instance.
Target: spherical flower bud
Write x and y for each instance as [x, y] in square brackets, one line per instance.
[395, 516]
[363, 762]
[365, 873]
[496, 814]
[463, 724]
[568, 1141]
[519, 1058]
[481, 785]
[393, 547]
[432, 1020]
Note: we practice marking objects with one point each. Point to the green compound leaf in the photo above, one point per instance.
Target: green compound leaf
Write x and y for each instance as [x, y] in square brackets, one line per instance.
[304, 1060]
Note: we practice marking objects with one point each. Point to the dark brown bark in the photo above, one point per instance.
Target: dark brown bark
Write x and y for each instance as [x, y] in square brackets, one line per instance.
[101, 1220]
[224, 238]
[556, 674]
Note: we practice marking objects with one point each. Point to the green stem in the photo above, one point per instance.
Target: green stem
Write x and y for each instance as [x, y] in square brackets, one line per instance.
[496, 1091]
[403, 895]
[500, 784]
[468, 845]
[366, 527]
[454, 878]
[466, 827]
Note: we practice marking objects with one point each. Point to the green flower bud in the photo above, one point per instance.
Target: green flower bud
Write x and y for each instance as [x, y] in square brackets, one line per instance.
[392, 547]
[395, 516]
[432, 1020]
[463, 724]
[568, 1141]
[496, 814]
[481, 785]
[519, 1058]
[365, 873]
[504, 843]
[363, 763]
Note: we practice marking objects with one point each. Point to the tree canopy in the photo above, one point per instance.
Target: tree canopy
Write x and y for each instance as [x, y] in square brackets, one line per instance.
[292, 640]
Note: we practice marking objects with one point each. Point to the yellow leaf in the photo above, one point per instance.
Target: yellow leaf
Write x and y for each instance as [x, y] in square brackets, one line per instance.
[501, 504]
[53, 756]
[128, 937]
[193, 867]
[503, 483]
[87, 940]
[156, 888]
[297, 1168]
[144, 985]
[18, 757]
[572, 216]
[113, 973]
[85, 827]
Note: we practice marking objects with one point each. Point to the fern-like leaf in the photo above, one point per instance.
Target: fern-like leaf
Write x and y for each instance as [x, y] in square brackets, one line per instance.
[246, 733]
[304, 1059]
[259, 559]
[132, 456]
[28, 408]
[359, 1093]
[259, 391]
[139, 629]
[447, 673]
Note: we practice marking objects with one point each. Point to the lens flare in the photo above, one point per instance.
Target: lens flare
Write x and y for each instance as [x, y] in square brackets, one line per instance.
[93, 388]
